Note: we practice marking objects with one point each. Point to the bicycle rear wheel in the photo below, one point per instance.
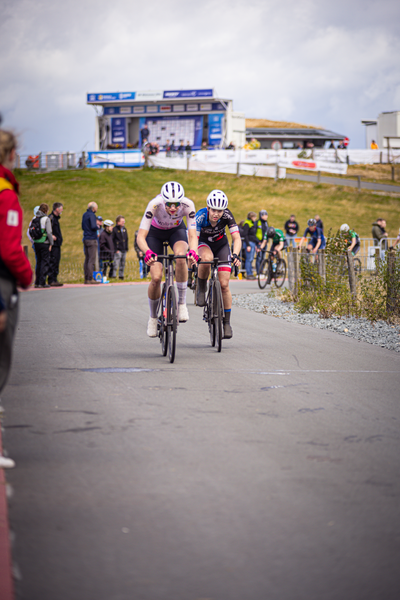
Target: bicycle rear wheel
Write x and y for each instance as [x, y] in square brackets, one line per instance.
[280, 273]
[162, 322]
[218, 315]
[171, 322]
[263, 274]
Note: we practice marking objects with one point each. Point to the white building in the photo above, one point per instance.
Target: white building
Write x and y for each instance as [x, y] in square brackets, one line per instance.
[194, 116]
[385, 130]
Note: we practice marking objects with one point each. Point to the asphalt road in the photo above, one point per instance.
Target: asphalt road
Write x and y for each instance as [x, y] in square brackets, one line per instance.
[267, 472]
[365, 185]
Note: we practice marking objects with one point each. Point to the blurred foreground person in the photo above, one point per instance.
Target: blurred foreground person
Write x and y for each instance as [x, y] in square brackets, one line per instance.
[14, 265]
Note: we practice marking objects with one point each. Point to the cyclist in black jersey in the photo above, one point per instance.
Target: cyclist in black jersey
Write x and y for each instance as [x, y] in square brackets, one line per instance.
[211, 223]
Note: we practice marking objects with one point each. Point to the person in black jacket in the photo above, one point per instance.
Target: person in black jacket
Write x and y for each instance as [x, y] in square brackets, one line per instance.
[55, 255]
[107, 247]
[291, 229]
[250, 242]
[120, 240]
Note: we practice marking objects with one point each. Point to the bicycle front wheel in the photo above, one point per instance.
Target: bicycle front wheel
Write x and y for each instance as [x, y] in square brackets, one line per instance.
[218, 315]
[172, 322]
[162, 322]
[357, 266]
[280, 273]
[210, 314]
[263, 274]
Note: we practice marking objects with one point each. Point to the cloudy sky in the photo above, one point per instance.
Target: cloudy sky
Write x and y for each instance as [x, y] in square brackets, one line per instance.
[328, 63]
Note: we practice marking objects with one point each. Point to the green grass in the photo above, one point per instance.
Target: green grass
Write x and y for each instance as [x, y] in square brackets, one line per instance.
[128, 192]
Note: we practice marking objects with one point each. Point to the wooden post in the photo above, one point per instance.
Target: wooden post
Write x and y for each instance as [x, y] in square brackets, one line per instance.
[377, 259]
[238, 169]
[321, 264]
[276, 171]
[319, 177]
[352, 274]
[391, 293]
[359, 182]
[295, 255]
[392, 172]
[187, 162]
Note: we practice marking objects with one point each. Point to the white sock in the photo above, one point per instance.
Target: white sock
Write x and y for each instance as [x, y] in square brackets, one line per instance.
[182, 287]
[153, 307]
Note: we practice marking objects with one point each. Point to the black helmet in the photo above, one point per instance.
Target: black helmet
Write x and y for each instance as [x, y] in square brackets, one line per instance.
[312, 222]
[270, 232]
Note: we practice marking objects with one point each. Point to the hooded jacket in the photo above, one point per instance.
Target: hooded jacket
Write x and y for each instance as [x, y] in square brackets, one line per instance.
[14, 264]
[377, 231]
[45, 225]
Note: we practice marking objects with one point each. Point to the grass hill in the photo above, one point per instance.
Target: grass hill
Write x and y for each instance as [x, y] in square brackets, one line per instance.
[128, 192]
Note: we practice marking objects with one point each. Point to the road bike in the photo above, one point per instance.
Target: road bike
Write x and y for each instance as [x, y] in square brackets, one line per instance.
[192, 282]
[272, 268]
[213, 312]
[167, 311]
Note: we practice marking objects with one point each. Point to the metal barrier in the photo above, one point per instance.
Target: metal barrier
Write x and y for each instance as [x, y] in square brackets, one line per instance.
[50, 161]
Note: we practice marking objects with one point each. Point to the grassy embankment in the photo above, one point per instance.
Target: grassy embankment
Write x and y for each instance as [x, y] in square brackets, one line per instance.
[128, 192]
[373, 173]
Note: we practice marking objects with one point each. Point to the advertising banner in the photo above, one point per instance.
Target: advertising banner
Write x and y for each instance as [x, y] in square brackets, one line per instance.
[130, 158]
[188, 94]
[115, 96]
[118, 131]
[314, 165]
[215, 129]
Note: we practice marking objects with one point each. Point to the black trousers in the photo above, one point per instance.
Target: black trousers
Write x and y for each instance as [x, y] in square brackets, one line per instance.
[54, 267]
[42, 263]
[90, 248]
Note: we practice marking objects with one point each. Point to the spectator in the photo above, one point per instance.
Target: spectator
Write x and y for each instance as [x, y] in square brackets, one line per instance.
[90, 229]
[167, 148]
[120, 241]
[291, 229]
[181, 149]
[231, 146]
[379, 234]
[43, 247]
[331, 146]
[320, 224]
[188, 148]
[397, 240]
[342, 145]
[144, 134]
[55, 255]
[204, 145]
[374, 145]
[99, 223]
[172, 148]
[29, 235]
[262, 227]
[143, 268]
[14, 265]
[107, 247]
[250, 240]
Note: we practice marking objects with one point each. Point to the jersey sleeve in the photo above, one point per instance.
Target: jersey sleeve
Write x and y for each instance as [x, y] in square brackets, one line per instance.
[201, 218]
[231, 222]
[190, 213]
[149, 214]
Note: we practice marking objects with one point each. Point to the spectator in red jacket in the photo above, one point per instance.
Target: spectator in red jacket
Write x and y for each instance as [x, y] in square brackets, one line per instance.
[15, 269]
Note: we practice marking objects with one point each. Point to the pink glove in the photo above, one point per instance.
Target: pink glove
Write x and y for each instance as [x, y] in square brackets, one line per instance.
[149, 255]
[192, 254]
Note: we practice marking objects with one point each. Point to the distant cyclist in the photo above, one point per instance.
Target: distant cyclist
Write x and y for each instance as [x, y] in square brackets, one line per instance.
[351, 237]
[163, 221]
[211, 223]
[317, 240]
[278, 240]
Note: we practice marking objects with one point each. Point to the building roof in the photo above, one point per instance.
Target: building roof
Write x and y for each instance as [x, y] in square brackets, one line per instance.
[266, 123]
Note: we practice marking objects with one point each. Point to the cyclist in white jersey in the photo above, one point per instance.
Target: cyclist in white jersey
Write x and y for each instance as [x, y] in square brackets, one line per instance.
[163, 221]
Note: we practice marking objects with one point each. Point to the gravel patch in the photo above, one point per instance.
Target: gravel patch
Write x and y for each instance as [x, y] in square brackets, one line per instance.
[381, 333]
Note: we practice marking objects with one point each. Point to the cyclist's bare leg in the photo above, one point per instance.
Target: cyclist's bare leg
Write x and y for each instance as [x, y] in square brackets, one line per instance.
[224, 277]
[154, 291]
[181, 271]
[205, 254]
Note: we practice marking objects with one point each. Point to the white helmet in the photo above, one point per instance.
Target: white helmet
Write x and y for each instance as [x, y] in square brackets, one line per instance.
[344, 228]
[217, 200]
[108, 223]
[171, 191]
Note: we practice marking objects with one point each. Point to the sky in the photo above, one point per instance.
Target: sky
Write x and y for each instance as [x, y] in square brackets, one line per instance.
[316, 62]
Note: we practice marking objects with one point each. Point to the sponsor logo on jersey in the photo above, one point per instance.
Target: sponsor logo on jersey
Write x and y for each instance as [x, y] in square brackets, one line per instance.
[192, 214]
[149, 215]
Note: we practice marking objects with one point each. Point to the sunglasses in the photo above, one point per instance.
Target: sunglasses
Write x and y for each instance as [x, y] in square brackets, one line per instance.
[169, 204]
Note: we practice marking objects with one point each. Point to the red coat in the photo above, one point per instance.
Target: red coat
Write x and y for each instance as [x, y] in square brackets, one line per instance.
[12, 255]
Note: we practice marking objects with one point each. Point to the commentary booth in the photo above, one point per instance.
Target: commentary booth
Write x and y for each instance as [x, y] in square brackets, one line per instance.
[196, 117]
